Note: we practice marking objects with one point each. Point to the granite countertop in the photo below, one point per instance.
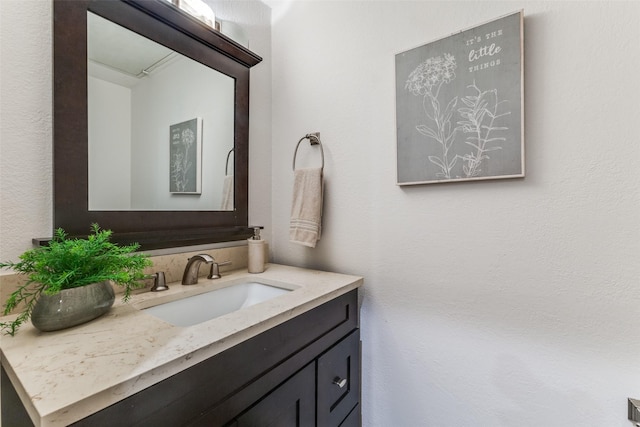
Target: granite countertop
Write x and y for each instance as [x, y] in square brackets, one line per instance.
[66, 375]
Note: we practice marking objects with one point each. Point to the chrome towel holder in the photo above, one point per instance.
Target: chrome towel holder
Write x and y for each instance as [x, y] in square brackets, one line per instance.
[314, 139]
[226, 165]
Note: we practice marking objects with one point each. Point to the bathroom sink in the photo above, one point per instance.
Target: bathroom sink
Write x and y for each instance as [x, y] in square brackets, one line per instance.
[209, 305]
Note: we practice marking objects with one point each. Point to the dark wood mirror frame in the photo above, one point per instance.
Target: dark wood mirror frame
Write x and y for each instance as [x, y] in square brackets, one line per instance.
[162, 22]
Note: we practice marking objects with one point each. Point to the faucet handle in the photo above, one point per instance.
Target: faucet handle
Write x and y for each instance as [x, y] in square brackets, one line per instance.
[215, 271]
[159, 282]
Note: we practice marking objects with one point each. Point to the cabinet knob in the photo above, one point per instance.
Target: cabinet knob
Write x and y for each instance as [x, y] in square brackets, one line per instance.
[340, 382]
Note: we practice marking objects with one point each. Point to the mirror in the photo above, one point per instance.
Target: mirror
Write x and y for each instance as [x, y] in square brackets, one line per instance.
[140, 96]
[164, 200]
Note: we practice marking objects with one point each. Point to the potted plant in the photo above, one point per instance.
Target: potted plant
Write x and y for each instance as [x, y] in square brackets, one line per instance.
[69, 281]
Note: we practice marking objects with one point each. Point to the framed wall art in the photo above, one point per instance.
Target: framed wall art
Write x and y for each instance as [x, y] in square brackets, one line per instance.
[185, 154]
[459, 106]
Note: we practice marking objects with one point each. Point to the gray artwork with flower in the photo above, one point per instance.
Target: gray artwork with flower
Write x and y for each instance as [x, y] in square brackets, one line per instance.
[459, 106]
[184, 157]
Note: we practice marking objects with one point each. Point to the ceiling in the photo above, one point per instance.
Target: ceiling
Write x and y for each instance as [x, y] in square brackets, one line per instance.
[112, 48]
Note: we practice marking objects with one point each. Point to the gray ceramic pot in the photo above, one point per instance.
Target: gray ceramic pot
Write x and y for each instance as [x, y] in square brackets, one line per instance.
[72, 307]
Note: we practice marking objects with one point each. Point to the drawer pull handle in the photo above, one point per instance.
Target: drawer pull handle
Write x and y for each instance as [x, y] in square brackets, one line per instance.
[340, 382]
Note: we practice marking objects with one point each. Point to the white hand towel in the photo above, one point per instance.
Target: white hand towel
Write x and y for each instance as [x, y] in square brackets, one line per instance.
[227, 193]
[306, 208]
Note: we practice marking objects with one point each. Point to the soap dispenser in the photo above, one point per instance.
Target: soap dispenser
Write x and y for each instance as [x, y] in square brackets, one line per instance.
[256, 252]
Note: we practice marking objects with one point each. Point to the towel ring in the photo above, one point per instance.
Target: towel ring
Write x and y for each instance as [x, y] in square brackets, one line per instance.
[314, 139]
[226, 165]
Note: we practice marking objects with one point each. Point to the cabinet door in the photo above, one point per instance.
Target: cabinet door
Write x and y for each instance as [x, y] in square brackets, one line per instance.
[292, 404]
[338, 381]
[354, 419]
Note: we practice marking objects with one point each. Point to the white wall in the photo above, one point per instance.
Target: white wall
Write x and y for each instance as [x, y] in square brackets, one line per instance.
[25, 124]
[495, 303]
[109, 128]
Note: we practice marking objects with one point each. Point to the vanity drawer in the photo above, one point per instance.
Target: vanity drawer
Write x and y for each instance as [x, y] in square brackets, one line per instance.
[338, 381]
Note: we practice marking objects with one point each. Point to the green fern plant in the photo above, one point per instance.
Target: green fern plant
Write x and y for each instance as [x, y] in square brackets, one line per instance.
[70, 263]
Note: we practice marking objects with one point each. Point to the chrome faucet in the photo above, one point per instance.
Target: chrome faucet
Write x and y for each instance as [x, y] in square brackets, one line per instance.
[190, 276]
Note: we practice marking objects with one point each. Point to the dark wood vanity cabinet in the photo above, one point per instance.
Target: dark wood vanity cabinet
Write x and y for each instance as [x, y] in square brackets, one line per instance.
[303, 372]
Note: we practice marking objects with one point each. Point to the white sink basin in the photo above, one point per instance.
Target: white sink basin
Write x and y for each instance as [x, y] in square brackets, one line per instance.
[209, 305]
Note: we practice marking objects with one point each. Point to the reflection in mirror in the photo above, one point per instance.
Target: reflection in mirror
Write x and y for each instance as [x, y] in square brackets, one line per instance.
[143, 153]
